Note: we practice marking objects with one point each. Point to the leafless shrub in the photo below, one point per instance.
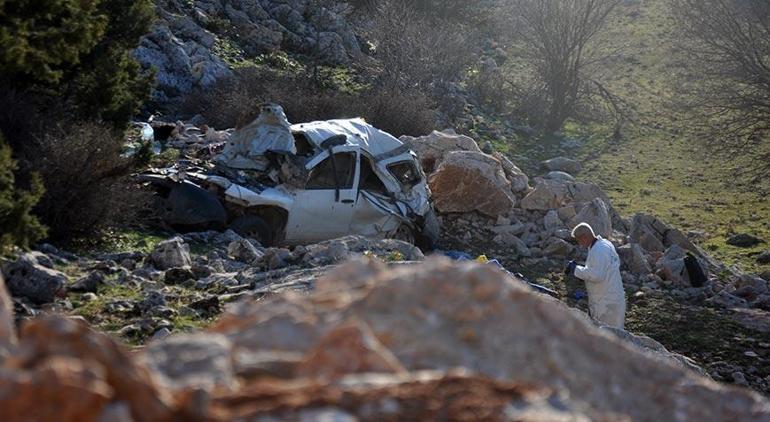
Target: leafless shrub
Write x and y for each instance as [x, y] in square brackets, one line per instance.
[86, 180]
[560, 46]
[235, 102]
[726, 44]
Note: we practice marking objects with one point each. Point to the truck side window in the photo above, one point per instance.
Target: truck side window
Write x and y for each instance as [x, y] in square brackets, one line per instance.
[322, 175]
[406, 173]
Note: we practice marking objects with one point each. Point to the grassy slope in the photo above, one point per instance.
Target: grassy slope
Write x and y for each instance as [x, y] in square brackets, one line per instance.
[661, 166]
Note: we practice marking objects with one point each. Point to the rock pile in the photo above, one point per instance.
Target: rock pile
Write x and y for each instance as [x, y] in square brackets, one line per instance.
[486, 205]
[421, 342]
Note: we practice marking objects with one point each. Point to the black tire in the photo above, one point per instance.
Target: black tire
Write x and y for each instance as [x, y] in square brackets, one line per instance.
[253, 227]
[405, 234]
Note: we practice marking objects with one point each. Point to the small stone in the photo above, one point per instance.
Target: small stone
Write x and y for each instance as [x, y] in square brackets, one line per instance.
[744, 240]
[740, 379]
[161, 334]
[750, 354]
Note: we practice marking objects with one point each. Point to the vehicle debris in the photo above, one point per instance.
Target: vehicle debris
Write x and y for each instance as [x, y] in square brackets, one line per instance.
[292, 184]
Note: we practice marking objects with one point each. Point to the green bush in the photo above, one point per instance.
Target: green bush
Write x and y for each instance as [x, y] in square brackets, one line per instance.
[39, 41]
[78, 52]
[17, 225]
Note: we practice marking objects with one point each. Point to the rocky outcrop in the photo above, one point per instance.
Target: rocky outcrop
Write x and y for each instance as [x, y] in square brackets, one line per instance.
[181, 46]
[471, 181]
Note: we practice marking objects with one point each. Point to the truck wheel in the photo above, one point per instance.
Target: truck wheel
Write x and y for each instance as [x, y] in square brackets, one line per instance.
[253, 227]
[404, 233]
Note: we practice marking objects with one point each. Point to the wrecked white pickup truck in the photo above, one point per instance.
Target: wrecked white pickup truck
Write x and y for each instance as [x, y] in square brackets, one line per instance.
[293, 184]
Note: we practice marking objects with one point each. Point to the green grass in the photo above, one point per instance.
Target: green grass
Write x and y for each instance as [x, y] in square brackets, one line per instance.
[661, 165]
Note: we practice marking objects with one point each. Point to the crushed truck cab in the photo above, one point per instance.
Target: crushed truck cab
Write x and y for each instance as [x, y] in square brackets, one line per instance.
[304, 183]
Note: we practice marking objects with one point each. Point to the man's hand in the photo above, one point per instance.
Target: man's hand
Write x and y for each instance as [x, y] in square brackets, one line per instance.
[570, 269]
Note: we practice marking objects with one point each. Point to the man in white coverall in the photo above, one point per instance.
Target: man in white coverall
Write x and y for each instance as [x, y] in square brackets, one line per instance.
[606, 298]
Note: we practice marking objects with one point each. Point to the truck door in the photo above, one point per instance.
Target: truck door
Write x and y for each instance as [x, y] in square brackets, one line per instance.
[323, 210]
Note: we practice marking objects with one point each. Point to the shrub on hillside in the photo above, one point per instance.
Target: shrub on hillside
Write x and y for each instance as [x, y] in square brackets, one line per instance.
[17, 225]
[86, 180]
[235, 102]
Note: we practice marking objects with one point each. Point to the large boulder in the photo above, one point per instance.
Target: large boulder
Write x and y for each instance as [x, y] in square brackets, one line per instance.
[632, 256]
[519, 180]
[597, 215]
[66, 371]
[442, 315]
[27, 278]
[199, 361]
[471, 181]
[671, 266]
[547, 195]
[744, 240]
[432, 149]
[171, 253]
[563, 164]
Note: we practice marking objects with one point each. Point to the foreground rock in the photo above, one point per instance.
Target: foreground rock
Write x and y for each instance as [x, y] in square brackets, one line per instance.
[483, 321]
[369, 343]
[469, 181]
[7, 329]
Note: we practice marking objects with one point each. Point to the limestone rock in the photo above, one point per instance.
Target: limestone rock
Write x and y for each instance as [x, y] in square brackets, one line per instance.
[443, 316]
[744, 240]
[597, 215]
[558, 247]
[432, 149]
[200, 361]
[81, 370]
[563, 164]
[171, 253]
[519, 180]
[560, 176]
[548, 194]
[671, 266]
[88, 283]
[471, 181]
[632, 256]
[349, 349]
[244, 251]
[25, 277]
[552, 221]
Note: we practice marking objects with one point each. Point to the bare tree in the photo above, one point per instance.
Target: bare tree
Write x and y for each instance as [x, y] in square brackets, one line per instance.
[560, 44]
[412, 53]
[726, 46]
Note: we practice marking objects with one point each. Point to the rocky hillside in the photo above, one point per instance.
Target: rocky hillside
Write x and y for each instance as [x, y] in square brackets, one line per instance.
[193, 43]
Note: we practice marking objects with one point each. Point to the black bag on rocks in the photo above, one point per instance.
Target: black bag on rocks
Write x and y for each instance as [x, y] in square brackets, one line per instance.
[694, 271]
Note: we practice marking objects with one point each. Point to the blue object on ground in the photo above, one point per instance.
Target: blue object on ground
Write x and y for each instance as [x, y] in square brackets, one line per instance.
[579, 294]
[458, 255]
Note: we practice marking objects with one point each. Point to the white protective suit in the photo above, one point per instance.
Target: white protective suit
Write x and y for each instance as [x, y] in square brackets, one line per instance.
[606, 298]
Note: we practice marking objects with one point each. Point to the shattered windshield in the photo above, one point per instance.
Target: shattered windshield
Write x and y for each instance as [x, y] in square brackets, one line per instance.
[406, 173]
